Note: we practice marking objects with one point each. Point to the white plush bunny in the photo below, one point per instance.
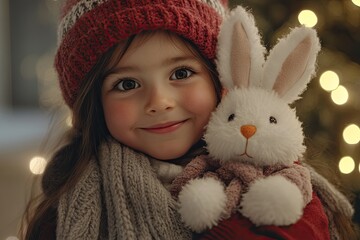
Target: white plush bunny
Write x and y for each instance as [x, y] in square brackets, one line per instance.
[254, 138]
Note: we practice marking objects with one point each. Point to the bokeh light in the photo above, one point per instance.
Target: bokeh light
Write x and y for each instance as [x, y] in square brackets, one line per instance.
[329, 80]
[307, 18]
[11, 238]
[340, 95]
[356, 2]
[69, 121]
[351, 134]
[346, 165]
[37, 165]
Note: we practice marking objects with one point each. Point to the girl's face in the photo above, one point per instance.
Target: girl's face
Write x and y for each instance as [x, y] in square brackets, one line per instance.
[159, 97]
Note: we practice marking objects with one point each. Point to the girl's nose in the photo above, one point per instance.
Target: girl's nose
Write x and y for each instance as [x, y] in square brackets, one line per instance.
[159, 100]
[248, 131]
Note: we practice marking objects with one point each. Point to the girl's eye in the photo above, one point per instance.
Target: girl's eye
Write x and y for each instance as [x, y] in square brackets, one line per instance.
[181, 74]
[127, 84]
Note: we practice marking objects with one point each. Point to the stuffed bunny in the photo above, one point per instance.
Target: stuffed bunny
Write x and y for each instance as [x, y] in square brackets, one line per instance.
[254, 138]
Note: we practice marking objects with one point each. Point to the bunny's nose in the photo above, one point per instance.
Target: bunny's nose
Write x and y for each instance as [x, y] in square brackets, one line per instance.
[248, 130]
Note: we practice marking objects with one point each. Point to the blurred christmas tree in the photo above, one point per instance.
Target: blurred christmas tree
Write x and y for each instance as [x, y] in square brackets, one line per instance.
[332, 101]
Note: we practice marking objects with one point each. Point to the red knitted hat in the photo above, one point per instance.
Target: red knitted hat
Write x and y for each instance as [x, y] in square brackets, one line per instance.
[88, 28]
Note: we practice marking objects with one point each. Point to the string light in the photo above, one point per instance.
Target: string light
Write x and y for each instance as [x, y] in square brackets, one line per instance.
[37, 165]
[11, 238]
[307, 18]
[69, 121]
[346, 165]
[340, 95]
[356, 2]
[329, 80]
[351, 134]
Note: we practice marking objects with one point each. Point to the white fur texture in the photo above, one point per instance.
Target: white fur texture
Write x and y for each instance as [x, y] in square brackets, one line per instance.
[266, 72]
[281, 51]
[255, 103]
[202, 202]
[272, 201]
[258, 100]
[224, 49]
[271, 144]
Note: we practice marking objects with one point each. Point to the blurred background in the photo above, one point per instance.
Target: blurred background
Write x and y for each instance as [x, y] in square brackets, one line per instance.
[29, 98]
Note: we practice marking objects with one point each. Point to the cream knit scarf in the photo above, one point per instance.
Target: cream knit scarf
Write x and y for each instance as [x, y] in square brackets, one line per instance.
[120, 199]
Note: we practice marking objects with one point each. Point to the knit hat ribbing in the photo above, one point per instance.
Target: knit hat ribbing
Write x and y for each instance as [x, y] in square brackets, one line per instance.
[88, 28]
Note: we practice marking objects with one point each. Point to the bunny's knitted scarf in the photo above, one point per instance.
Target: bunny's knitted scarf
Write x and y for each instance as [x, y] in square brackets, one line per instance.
[120, 199]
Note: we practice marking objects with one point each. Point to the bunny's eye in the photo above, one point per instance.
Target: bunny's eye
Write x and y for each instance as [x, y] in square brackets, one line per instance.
[272, 120]
[231, 117]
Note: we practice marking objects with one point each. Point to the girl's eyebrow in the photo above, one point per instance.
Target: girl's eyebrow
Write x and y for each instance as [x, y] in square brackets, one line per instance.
[180, 59]
[167, 61]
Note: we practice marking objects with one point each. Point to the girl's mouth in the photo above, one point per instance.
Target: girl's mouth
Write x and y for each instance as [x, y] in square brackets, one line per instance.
[165, 127]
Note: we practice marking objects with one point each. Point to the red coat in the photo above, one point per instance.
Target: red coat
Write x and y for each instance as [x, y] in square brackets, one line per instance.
[313, 225]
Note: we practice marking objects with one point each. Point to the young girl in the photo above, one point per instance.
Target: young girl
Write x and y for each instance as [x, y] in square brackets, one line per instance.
[140, 80]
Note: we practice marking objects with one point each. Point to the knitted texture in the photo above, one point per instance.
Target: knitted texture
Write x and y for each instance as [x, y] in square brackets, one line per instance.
[88, 28]
[237, 178]
[79, 211]
[136, 204]
[332, 200]
[126, 184]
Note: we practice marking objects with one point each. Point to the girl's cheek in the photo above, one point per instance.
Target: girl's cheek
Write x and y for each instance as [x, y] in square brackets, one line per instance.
[200, 100]
[119, 113]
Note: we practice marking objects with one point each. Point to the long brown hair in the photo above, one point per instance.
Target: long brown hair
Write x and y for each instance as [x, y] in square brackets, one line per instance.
[345, 225]
[82, 141]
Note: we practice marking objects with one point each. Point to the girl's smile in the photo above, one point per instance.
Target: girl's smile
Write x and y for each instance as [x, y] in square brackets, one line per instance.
[165, 127]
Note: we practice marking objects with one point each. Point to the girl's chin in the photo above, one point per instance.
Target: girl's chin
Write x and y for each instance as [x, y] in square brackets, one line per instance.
[167, 156]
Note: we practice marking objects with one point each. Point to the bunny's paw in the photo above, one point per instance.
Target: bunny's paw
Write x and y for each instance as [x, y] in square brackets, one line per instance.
[202, 202]
[272, 201]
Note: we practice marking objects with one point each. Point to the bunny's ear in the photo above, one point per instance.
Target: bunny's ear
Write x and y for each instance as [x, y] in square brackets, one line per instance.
[291, 64]
[240, 55]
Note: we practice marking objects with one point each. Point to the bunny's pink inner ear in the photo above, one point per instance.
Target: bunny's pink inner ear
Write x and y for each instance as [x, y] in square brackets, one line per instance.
[293, 67]
[240, 56]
